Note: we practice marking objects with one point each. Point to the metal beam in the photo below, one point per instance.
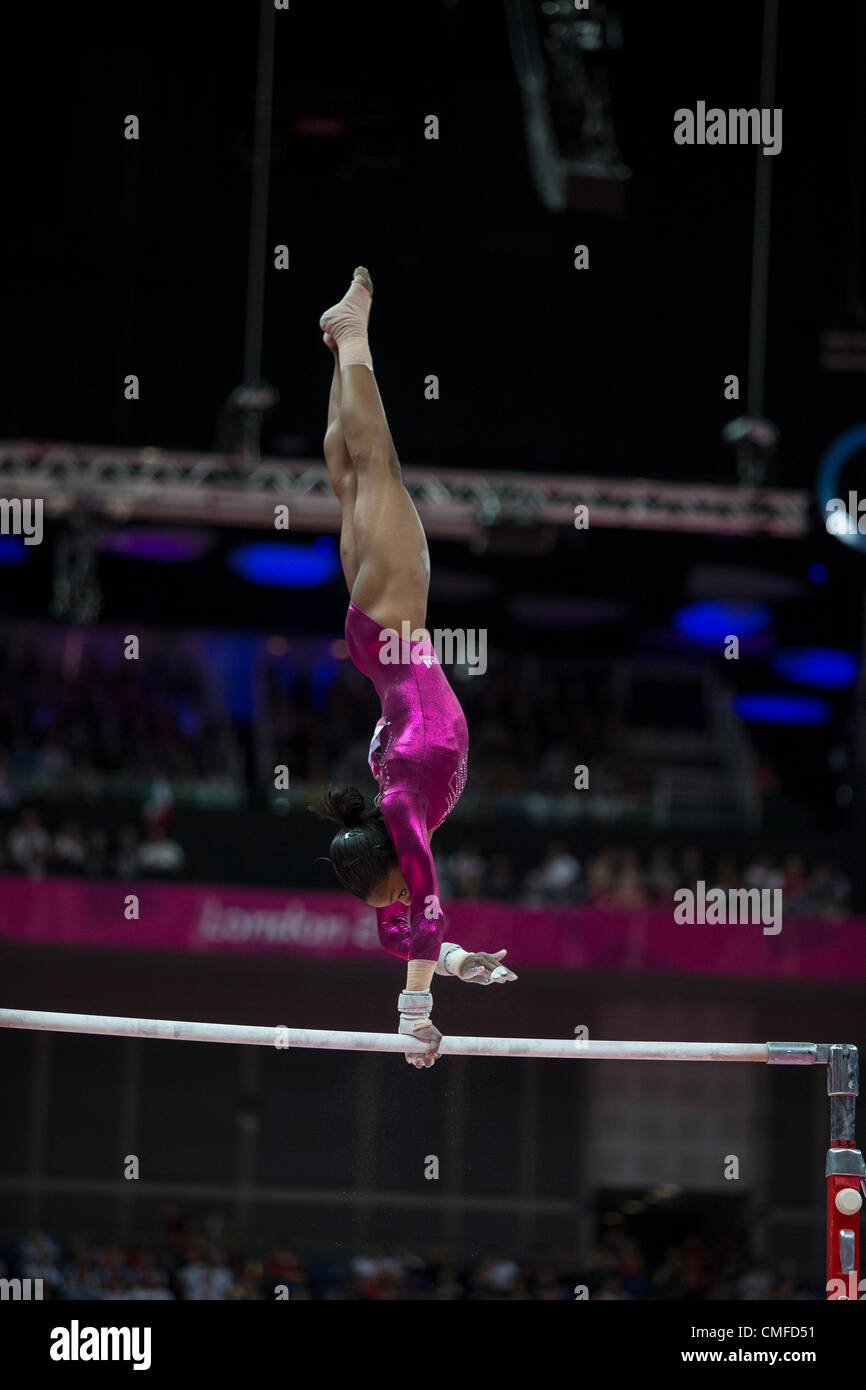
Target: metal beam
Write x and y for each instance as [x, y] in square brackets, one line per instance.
[153, 485]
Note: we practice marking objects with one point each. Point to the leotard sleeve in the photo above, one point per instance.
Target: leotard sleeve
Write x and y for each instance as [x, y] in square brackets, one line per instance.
[406, 819]
[394, 929]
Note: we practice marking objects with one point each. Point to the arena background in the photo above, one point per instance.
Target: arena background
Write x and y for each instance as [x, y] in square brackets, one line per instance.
[605, 647]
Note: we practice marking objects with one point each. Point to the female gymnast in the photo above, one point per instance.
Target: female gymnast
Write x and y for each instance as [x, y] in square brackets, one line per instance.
[419, 747]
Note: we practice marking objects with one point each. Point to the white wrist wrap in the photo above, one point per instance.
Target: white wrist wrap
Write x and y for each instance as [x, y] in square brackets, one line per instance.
[413, 1005]
[451, 959]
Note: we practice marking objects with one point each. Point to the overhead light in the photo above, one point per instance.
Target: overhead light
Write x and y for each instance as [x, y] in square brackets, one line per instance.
[778, 707]
[712, 620]
[282, 564]
[825, 667]
[164, 545]
[13, 551]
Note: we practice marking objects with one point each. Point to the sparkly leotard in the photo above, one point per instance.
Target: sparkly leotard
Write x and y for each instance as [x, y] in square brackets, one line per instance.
[418, 757]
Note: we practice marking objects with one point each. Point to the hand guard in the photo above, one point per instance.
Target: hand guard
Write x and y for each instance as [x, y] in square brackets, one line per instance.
[414, 1007]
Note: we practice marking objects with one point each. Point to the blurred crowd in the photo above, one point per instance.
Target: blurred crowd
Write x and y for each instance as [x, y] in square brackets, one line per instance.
[74, 705]
[69, 707]
[692, 1268]
[201, 1263]
[623, 878]
[75, 713]
[97, 852]
[526, 718]
[616, 877]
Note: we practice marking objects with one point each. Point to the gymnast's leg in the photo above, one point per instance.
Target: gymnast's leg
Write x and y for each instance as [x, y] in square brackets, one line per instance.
[385, 538]
[341, 474]
[388, 541]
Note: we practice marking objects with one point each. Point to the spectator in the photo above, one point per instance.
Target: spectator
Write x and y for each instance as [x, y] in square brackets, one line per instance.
[754, 1283]
[725, 876]
[762, 873]
[69, 848]
[283, 1268]
[555, 879]
[794, 884]
[500, 878]
[496, 1274]
[611, 1291]
[692, 864]
[695, 1262]
[668, 1282]
[249, 1287]
[150, 1285]
[126, 854]
[159, 807]
[96, 860]
[52, 758]
[206, 1277]
[830, 890]
[160, 856]
[446, 1286]
[29, 846]
[467, 870]
[629, 892]
[600, 876]
[661, 878]
[39, 1256]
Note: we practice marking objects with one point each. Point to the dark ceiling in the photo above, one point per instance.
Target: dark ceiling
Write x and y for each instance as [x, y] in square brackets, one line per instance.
[132, 257]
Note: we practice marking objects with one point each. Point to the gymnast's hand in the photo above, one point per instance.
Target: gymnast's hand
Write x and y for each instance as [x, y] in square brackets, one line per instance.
[415, 1022]
[428, 1033]
[475, 967]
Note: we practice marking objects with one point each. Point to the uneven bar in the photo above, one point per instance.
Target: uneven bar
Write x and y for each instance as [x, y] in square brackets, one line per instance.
[280, 1037]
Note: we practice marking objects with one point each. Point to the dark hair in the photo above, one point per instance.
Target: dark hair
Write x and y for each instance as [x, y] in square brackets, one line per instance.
[362, 852]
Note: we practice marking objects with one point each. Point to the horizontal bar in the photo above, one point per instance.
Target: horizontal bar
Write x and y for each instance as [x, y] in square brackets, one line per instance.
[280, 1037]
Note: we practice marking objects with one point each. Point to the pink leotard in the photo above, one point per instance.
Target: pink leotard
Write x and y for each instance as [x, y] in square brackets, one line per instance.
[418, 757]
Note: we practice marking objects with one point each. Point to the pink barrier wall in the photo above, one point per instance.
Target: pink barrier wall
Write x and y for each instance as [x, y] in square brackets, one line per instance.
[192, 917]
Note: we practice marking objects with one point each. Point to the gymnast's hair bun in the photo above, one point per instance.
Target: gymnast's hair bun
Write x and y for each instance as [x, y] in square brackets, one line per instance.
[345, 805]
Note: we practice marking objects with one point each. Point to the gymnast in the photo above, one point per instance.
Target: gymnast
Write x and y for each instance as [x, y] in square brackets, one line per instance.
[420, 744]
